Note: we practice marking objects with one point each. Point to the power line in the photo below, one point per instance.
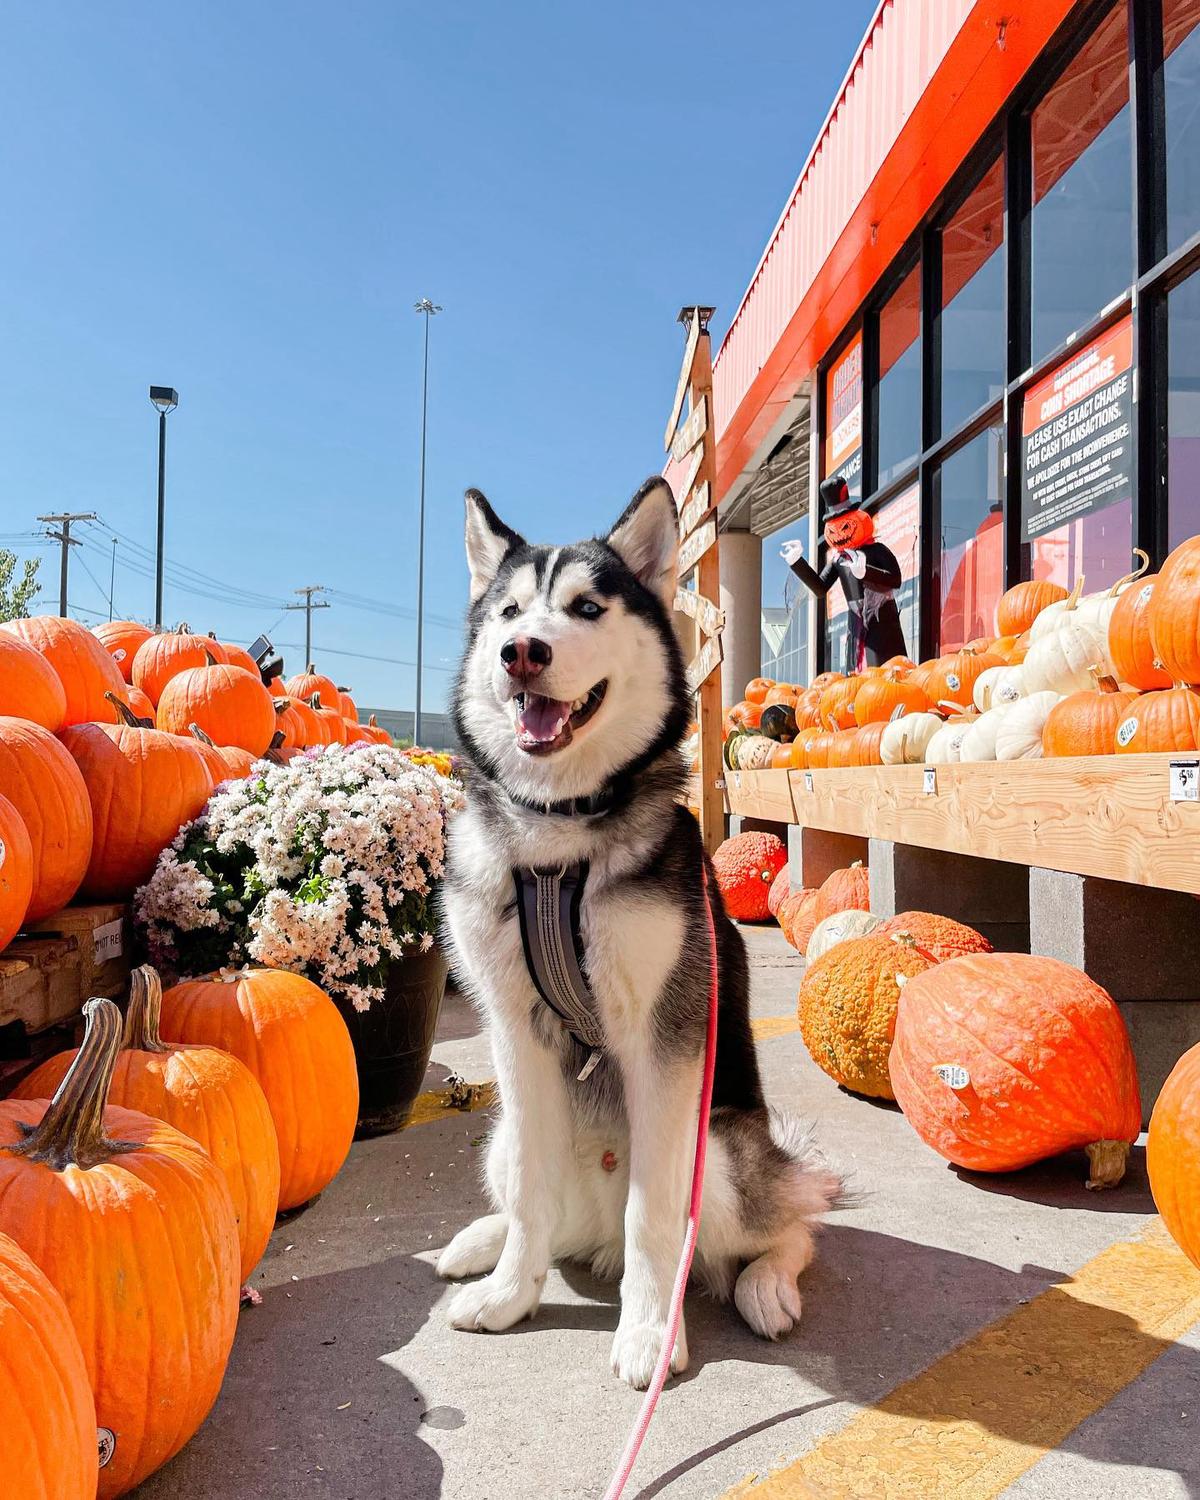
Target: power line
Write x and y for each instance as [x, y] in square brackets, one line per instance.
[308, 606]
[394, 661]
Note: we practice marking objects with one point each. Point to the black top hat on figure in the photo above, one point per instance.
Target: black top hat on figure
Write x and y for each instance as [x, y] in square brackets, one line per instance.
[835, 496]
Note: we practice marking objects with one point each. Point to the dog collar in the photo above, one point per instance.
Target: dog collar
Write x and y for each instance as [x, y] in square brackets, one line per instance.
[548, 904]
[606, 800]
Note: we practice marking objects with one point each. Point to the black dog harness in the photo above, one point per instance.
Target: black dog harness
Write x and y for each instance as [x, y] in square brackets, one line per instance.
[548, 904]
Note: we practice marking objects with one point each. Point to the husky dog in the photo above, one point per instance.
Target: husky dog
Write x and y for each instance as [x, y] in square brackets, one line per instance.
[570, 706]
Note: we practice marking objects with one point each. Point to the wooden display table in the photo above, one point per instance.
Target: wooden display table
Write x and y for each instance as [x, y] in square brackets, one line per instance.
[55, 965]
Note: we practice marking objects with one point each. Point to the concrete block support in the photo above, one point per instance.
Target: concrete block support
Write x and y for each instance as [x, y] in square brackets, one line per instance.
[814, 854]
[738, 824]
[741, 599]
[988, 894]
[1137, 942]
[1161, 1032]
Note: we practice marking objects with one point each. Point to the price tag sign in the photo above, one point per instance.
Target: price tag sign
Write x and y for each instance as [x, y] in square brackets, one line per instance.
[737, 781]
[109, 941]
[929, 781]
[808, 781]
[1185, 781]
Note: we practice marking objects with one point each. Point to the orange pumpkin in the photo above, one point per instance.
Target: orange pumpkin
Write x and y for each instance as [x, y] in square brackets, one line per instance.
[940, 938]
[214, 762]
[844, 890]
[782, 692]
[819, 747]
[1086, 723]
[203, 1092]
[901, 664]
[742, 715]
[235, 764]
[837, 702]
[335, 725]
[781, 888]
[164, 656]
[867, 741]
[305, 684]
[847, 1009]
[216, 651]
[16, 872]
[953, 677]
[826, 679]
[122, 639]
[142, 787]
[1020, 606]
[800, 747]
[1174, 613]
[291, 723]
[376, 732]
[888, 696]
[291, 1037]
[1166, 720]
[843, 749]
[1173, 1154]
[228, 703]
[237, 656]
[1003, 647]
[1129, 645]
[757, 689]
[140, 706]
[808, 709]
[346, 705]
[1003, 1059]
[30, 688]
[745, 867]
[49, 1417]
[277, 687]
[920, 675]
[795, 918]
[84, 667]
[44, 784]
[781, 756]
[114, 1226]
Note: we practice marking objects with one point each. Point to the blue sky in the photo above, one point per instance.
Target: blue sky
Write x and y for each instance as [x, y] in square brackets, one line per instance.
[245, 201]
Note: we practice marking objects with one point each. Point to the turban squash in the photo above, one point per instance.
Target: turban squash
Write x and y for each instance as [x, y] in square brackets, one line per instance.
[291, 1037]
[1003, 1059]
[44, 784]
[132, 1223]
[203, 1092]
[1173, 1154]
[84, 668]
[46, 1408]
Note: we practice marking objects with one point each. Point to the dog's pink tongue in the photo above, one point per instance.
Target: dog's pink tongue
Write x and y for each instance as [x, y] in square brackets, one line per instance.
[542, 719]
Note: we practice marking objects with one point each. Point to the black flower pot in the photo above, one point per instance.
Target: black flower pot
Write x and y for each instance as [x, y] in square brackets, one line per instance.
[393, 1040]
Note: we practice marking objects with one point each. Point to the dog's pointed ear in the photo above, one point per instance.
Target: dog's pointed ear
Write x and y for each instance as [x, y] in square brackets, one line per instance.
[489, 541]
[646, 538]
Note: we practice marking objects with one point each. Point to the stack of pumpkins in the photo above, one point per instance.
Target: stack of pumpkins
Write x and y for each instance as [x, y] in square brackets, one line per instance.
[111, 740]
[139, 1183]
[1066, 674]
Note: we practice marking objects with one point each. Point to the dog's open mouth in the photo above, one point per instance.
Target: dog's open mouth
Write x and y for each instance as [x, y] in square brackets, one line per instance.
[548, 724]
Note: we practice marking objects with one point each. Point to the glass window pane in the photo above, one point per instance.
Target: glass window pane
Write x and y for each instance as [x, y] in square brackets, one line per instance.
[898, 440]
[897, 526]
[973, 303]
[843, 417]
[786, 610]
[1183, 412]
[1082, 228]
[1181, 72]
[1099, 547]
[972, 542]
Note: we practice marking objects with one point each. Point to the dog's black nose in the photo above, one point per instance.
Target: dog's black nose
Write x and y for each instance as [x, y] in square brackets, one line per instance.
[525, 656]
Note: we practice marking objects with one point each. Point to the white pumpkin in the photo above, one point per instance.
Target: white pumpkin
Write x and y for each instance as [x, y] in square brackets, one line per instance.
[1059, 613]
[1010, 686]
[1063, 661]
[904, 740]
[984, 685]
[979, 742]
[946, 745]
[1019, 733]
[837, 928]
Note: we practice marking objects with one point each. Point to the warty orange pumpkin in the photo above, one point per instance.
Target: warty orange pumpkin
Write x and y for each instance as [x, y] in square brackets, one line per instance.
[77, 1192]
[83, 666]
[1086, 723]
[47, 1413]
[142, 787]
[745, 867]
[940, 938]
[30, 688]
[1174, 613]
[164, 656]
[44, 784]
[228, 703]
[16, 872]
[1129, 643]
[291, 1037]
[202, 1091]
[305, 684]
[847, 1009]
[122, 639]
[1173, 1154]
[1003, 1059]
[1020, 605]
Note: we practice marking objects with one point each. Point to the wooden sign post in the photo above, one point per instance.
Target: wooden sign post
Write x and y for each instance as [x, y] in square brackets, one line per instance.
[693, 442]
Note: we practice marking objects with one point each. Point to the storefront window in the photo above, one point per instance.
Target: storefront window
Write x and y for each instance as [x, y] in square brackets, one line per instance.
[1181, 73]
[1183, 412]
[843, 417]
[971, 483]
[898, 438]
[898, 526]
[1082, 228]
[787, 608]
[972, 322]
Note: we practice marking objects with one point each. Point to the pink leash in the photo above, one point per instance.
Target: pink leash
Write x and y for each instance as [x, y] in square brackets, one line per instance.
[637, 1436]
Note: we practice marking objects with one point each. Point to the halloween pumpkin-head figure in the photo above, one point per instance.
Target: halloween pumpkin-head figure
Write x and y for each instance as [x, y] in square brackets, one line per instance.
[849, 528]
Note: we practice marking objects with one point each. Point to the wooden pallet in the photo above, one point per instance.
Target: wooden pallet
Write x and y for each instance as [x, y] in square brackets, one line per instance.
[55, 965]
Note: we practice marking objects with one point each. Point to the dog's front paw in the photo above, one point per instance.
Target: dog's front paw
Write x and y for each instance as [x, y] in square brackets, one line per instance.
[636, 1348]
[491, 1305]
[474, 1250]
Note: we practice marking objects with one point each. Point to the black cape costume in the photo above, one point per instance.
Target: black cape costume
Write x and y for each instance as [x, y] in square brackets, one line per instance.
[876, 633]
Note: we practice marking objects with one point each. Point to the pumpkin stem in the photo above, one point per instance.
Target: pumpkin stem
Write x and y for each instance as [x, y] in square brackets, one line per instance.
[1143, 564]
[126, 714]
[1106, 1160]
[1104, 683]
[315, 701]
[276, 740]
[312, 667]
[212, 660]
[1072, 600]
[197, 733]
[371, 724]
[143, 1013]
[281, 705]
[71, 1132]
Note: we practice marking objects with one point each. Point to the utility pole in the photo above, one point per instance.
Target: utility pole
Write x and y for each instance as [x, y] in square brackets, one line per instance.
[112, 579]
[67, 541]
[428, 309]
[308, 606]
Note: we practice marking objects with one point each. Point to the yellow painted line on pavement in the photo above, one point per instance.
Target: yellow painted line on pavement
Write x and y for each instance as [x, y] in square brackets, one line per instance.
[765, 1027]
[440, 1104]
[981, 1416]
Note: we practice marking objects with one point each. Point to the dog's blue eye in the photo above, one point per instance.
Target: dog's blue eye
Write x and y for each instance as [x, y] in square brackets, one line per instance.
[588, 609]
[509, 612]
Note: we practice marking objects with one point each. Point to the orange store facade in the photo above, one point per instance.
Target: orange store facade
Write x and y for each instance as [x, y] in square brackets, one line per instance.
[981, 305]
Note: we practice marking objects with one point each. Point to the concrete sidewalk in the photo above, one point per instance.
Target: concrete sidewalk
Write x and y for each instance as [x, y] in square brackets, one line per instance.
[347, 1383]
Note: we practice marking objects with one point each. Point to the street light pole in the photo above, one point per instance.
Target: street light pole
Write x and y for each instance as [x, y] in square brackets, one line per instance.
[164, 400]
[428, 309]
